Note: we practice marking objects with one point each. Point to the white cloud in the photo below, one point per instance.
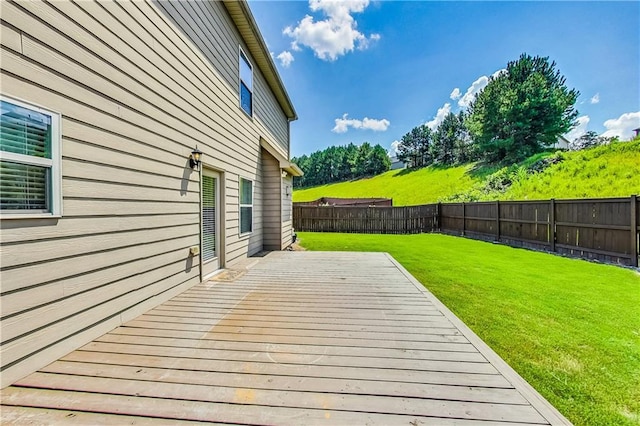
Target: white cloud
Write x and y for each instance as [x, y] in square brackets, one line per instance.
[334, 36]
[393, 152]
[343, 124]
[440, 115]
[475, 88]
[623, 126]
[595, 99]
[375, 125]
[285, 58]
[497, 73]
[455, 94]
[579, 130]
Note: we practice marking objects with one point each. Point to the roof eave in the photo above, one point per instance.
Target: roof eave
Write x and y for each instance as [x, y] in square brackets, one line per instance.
[293, 170]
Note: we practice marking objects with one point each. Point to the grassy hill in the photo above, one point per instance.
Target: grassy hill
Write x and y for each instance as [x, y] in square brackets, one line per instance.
[605, 171]
[406, 187]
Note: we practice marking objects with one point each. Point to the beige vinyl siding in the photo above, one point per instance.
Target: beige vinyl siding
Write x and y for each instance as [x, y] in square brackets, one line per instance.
[239, 246]
[287, 233]
[272, 120]
[271, 207]
[221, 47]
[136, 93]
[254, 239]
[287, 211]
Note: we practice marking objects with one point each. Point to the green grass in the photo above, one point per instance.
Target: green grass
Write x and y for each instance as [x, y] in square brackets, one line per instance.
[406, 187]
[606, 171]
[570, 327]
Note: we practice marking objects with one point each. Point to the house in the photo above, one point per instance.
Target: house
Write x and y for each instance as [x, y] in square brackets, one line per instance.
[105, 210]
[561, 143]
[397, 164]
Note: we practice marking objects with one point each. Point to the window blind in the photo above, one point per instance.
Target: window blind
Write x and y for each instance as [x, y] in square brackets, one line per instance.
[23, 186]
[208, 217]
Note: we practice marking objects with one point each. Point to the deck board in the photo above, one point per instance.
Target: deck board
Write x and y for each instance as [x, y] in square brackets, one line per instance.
[297, 338]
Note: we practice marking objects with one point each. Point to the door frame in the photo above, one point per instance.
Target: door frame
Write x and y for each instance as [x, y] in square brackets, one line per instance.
[219, 218]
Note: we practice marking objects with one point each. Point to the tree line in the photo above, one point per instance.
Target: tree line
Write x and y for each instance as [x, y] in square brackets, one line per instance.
[448, 144]
[341, 163]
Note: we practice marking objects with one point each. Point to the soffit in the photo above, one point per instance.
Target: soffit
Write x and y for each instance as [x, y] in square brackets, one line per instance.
[281, 158]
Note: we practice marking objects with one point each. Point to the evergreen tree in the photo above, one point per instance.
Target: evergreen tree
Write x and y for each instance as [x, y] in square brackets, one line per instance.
[364, 153]
[415, 147]
[451, 141]
[444, 140]
[588, 140]
[522, 110]
[379, 161]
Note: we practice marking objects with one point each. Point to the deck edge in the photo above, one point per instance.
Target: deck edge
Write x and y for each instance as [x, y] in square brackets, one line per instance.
[538, 402]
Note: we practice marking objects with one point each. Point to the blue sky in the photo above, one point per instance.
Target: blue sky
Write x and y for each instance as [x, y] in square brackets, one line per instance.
[392, 65]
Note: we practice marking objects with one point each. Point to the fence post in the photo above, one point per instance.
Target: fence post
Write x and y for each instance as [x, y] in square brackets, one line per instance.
[464, 220]
[438, 217]
[552, 224]
[498, 220]
[634, 231]
[404, 215]
[333, 220]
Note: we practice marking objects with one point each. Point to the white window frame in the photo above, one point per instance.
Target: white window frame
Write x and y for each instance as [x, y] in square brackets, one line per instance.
[242, 55]
[54, 164]
[240, 206]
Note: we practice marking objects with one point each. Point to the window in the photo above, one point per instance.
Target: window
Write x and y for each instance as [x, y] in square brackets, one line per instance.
[246, 206]
[246, 84]
[30, 160]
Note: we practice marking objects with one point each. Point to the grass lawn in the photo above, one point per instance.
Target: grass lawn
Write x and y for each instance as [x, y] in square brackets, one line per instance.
[571, 328]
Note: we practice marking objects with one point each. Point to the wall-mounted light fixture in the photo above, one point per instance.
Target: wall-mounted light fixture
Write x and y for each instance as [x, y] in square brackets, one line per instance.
[194, 158]
[287, 190]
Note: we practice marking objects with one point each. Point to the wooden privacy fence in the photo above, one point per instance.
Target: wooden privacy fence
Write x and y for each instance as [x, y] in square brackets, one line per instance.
[366, 220]
[605, 229]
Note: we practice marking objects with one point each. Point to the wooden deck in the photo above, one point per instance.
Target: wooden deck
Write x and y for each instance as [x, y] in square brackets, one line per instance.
[300, 338]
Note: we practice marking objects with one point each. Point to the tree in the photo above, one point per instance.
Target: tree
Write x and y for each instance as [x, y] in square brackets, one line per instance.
[464, 150]
[379, 161]
[415, 147]
[522, 110]
[588, 140]
[408, 150]
[349, 162]
[303, 163]
[424, 135]
[364, 153]
[451, 141]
